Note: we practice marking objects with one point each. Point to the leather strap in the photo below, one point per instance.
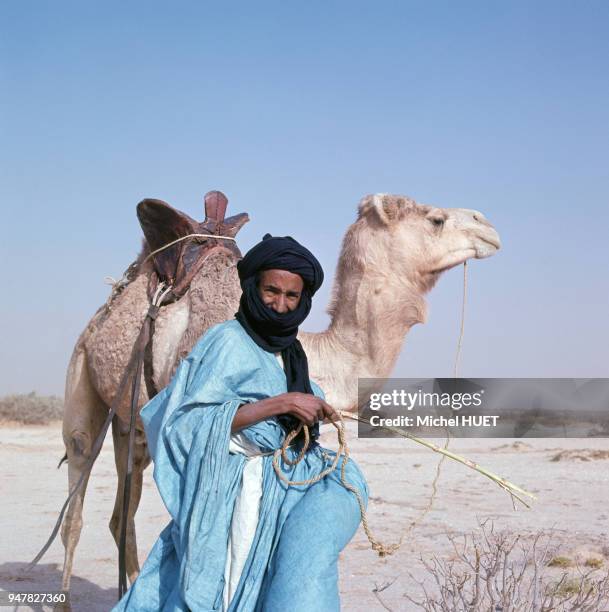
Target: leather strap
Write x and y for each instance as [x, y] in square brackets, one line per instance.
[151, 389]
[142, 343]
[99, 441]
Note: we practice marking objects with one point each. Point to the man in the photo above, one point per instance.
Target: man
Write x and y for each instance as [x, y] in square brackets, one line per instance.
[240, 539]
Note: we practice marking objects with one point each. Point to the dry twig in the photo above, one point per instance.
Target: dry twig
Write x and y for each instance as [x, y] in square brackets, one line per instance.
[515, 491]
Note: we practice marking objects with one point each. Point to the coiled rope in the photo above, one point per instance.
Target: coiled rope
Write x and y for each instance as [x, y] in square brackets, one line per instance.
[343, 449]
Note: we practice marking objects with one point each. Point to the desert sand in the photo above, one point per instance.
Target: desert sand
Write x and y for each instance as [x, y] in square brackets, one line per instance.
[572, 501]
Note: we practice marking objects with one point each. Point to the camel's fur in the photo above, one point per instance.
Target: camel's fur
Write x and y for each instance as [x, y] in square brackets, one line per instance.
[391, 256]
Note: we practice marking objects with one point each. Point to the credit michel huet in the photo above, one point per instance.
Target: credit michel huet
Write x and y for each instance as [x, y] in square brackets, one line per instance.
[435, 421]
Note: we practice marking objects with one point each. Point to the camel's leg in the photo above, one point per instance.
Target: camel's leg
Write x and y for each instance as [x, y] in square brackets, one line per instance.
[141, 459]
[84, 415]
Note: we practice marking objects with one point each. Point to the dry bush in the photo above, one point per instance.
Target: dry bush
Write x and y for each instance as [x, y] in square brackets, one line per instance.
[560, 561]
[584, 454]
[31, 409]
[503, 572]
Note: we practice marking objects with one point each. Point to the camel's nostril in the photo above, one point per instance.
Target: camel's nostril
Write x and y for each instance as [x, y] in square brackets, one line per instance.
[476, 218]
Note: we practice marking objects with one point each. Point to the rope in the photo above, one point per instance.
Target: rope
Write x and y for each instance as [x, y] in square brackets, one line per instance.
[157, 300]
[434, 484]
[99, 440]
[343, 449]
[460, 341]
[166, 246]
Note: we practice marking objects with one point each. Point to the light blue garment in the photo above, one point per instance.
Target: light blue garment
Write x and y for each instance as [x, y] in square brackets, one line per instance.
[292, 563]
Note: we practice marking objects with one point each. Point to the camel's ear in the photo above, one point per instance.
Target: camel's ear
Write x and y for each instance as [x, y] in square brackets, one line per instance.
[386, 208]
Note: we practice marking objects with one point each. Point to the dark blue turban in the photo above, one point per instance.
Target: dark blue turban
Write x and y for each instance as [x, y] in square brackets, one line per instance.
[282, 253]
[272, 331]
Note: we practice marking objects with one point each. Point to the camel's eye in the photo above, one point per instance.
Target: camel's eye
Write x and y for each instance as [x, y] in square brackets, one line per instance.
[437, 221]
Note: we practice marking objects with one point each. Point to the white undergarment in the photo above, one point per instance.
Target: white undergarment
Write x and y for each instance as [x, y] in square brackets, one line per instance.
[245, 515]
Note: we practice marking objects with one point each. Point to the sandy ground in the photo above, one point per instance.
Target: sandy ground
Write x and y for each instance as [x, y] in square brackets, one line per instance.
[572, 500]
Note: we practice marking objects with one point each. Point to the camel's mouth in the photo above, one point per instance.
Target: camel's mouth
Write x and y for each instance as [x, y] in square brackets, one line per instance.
[487, 245]
[492, 240]
[484, 240]
[456, 260]
[479, 248]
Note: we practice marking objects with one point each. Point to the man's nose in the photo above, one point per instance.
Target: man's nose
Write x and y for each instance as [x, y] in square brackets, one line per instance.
[280, 304]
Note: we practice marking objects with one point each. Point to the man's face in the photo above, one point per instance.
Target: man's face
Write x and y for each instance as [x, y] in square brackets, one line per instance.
[280, 290]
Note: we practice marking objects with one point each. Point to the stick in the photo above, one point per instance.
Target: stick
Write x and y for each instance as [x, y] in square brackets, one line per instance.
[506, 485]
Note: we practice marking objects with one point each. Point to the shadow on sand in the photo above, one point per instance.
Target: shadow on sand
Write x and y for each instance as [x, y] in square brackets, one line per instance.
[84, 595]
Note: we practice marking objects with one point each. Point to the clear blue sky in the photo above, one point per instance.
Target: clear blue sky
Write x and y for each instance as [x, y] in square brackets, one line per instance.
[296, 110]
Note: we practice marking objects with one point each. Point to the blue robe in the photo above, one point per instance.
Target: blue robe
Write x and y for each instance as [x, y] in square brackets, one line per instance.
[292, 562]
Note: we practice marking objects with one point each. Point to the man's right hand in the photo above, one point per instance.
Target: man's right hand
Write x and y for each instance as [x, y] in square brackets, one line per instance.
[306, 407]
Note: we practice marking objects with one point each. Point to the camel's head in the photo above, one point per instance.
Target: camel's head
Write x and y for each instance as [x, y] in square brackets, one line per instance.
[424, 241]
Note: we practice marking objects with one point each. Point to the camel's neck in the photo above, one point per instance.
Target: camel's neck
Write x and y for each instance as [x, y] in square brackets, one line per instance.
[370, 320]
[373, 327]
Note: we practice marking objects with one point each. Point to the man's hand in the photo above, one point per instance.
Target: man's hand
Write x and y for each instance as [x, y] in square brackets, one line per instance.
[308, 408]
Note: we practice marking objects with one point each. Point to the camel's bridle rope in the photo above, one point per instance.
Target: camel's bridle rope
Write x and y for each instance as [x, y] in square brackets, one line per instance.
[343, 449]
[462, 329]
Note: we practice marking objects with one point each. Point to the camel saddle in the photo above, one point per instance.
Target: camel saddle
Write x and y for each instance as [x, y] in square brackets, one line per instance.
[177, 264]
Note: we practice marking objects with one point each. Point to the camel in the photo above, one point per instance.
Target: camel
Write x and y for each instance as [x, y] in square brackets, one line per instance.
[391, 256]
